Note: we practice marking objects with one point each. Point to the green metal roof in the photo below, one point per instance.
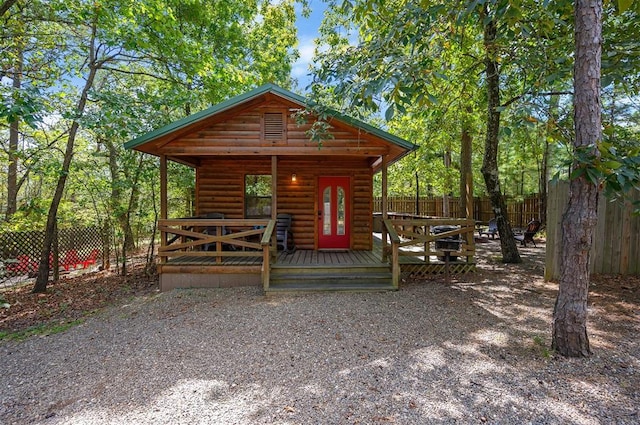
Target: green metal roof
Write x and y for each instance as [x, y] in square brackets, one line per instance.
[267, 88]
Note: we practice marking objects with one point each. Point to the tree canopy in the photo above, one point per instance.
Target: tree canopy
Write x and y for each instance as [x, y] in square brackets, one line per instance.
[80, 78]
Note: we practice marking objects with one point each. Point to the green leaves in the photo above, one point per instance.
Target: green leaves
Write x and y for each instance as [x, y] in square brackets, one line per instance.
[623, 5]
[23, 105]
[617, 173]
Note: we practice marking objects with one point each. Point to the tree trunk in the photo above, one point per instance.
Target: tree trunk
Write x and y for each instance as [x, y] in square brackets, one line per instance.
[447, 183]
[543, 184]
[6, 5]
[129, 243]
[466, 173]
[508, 245]
[14, 137]
[570, 314]
[116, 202]
[43, 268]
[417, 208]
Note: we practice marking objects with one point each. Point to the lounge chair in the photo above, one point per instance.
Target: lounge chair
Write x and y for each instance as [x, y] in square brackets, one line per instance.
[284, 235]
[492, 230]
[532, 228]
[213, 230]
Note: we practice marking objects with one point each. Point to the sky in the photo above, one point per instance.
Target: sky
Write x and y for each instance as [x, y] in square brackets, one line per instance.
[307, 32]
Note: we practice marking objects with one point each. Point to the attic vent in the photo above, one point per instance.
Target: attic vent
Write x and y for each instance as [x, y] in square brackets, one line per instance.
[273, 126]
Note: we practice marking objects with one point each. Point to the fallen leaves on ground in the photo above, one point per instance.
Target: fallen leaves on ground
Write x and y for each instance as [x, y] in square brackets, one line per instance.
[71, 298]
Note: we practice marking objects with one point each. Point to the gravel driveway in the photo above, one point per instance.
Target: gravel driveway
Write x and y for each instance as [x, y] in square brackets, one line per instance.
[472, 351]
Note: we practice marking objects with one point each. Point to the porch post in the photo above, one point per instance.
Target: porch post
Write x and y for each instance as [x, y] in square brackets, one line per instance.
[163, 200]
[274, 187]
[163, 187]
[385, 214]
[274, 206]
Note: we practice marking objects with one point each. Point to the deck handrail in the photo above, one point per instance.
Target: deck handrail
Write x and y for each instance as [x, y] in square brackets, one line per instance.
[268, 240]
[416, 238]
[194, 237]
[395, 258]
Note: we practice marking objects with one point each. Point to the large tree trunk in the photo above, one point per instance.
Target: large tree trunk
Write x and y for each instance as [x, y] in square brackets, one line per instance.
[446, 212]
[43, 268]
[116, 202]
[466, 173]
[570, 314]
[543, 182]
[14, 137]
[508, 245]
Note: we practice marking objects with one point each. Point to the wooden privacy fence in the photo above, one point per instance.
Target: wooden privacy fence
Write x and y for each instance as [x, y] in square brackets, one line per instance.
[616, 239]
[520, 212]
[72, 248]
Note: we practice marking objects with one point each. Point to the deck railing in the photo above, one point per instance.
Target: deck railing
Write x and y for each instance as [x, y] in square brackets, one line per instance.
[268, 240]
[424, 238]
[217, 238]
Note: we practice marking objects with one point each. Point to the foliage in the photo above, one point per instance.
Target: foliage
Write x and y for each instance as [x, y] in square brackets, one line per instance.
[158, 60]
[420, 63]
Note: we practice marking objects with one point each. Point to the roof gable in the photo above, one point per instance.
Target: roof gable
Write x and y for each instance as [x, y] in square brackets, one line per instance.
[154, 141]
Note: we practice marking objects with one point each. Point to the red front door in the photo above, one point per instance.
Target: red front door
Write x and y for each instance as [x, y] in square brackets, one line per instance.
[334, 219]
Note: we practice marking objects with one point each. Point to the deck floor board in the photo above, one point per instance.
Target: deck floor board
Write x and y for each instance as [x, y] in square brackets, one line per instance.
[300, 257]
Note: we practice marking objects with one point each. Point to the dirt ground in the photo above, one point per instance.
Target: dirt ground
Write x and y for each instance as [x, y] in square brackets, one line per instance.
[72, 298]
[616, 298]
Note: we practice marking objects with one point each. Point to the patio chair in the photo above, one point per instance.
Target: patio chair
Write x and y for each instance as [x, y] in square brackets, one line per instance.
[492, 230]
[213, 230]
[532, 228]
[284, 235]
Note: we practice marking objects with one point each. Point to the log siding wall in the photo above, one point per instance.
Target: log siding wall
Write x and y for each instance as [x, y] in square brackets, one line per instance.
[220, 188]
[235, 146]
[243, 134]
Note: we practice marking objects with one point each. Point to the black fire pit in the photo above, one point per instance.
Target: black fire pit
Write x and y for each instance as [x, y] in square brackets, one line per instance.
[448, 242]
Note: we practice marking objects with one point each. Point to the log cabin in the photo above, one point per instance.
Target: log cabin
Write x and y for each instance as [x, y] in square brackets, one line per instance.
[259, 177]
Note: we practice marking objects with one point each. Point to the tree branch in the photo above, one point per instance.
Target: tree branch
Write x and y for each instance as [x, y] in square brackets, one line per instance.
[4, 7]
[147, 74]
[520, 96]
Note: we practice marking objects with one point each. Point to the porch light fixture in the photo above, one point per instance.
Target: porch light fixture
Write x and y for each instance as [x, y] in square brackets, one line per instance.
[294, 178]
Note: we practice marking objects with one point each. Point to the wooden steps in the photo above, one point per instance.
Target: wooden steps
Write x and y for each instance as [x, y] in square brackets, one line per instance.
[324, 277]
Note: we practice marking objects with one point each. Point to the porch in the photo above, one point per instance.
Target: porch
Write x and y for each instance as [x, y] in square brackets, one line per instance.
[243, 253]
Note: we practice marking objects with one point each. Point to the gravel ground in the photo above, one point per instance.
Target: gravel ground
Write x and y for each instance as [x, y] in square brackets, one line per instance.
[471, 351]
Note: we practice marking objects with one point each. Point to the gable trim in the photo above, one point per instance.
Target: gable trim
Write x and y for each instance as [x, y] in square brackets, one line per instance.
[262, 90]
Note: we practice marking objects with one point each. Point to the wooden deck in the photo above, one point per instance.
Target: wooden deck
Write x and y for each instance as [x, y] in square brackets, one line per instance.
[300, 271]
[331, 258]
[238, 259]
[304, 257]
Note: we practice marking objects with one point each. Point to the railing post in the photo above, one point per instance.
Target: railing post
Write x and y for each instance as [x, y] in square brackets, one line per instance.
[163, 241]
[470, 239]
[395, 252]
[395, 264]
[266, 266]
[268, 238]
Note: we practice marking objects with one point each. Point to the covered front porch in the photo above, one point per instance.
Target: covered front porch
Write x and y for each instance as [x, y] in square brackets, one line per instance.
[244, 253]
[255, 162]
